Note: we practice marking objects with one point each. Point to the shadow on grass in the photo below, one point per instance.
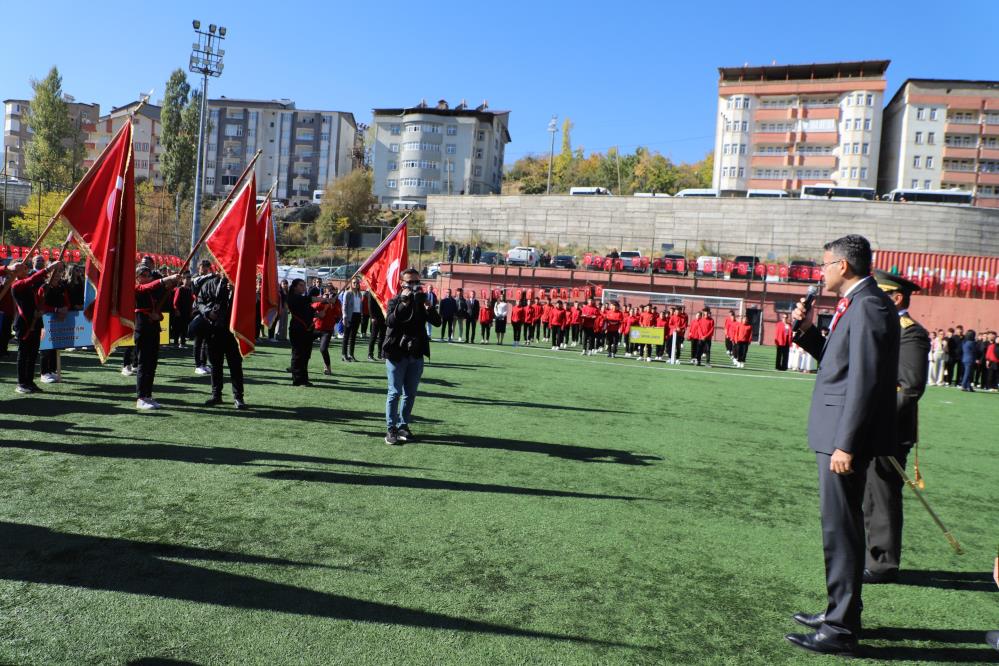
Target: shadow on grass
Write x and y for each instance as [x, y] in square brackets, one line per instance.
[389, 481]
[564, 451]
[947, 580]
[34, 554]
[160, 661]
[209, 455]
[966, 655]
[495, 402]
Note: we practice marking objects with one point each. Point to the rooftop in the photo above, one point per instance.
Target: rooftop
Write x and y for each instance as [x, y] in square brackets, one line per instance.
[829, 70]
[948, 83]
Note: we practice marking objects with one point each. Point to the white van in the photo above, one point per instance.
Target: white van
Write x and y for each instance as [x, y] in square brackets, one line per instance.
[317, 197]
[766, 194]
[589, 191]
[698, 192]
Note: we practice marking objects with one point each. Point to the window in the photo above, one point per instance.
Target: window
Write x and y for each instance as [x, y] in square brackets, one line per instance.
[393, 165]
[481, 136]
[478, 172]
[929, 161]
[870, 100]
[742, 149]
[210, 181]
[853, 172]
[452, 130]
[856, 123]
[395, 130]
[863, 173]
[927, 184]
[865, 149]
[234, 130]
[745, 125]
[724, 172]
[931, 138]
[478, 153]
[742, 172]
[725, 149]
[390, 183]
[394, 147]
[915, 183]
[324, 136]
[920, 113]
[919, 138]
[856, 149]
[867, 124]
[933, 114]
[451, 149]
[915, 161]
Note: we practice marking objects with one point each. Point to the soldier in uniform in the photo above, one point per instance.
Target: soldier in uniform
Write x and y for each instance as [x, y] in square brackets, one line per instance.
[883, 493]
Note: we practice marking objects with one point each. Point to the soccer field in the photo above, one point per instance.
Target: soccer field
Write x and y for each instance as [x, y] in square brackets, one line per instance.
[555, 509]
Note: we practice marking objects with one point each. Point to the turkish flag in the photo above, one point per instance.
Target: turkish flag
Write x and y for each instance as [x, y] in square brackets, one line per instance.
[100, 212]
[382, 269]
[234, 245]
[267, 265]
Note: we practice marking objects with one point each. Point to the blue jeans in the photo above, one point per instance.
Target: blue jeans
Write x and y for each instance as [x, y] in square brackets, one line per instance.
[403, 380]
[969, 372]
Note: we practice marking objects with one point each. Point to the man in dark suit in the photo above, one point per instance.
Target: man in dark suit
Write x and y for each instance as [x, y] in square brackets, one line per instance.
[847, 427]
[883, 495]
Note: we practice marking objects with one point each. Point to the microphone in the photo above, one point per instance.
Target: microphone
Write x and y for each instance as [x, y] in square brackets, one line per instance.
[813, 291]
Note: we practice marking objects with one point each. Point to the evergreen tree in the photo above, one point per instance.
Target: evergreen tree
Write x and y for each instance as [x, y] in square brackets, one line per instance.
[48, 159]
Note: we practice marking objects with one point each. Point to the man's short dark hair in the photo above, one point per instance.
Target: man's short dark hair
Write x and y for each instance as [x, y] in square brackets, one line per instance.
[856, 250]
[411, 271]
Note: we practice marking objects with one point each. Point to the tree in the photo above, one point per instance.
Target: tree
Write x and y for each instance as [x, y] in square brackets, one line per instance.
[562, 170]
[47, 158]
[35, 215]
[347, 205]
[179, 142]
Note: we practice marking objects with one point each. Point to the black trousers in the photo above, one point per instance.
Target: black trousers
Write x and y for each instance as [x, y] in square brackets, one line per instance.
[705, 351]
[447, 328]
[49, 363]
[6, 321]
[613, 339]
[128, 357]
[349, 336]
[588, 339]
[841, 499]
[574, 333]
[883, 514]
[991, 375]
[955, 371]
[486, 330]
[740, 351]
[364, 323]
[147, 357]
[179, 323]
[783, 353]
[200, 351]
[516, 330]
[729, 345]
[377, 340]
[679, 347]
[301, 352]
[222, 347]
[27, 357]
[469, 330]
[324, 346]
[529, 331]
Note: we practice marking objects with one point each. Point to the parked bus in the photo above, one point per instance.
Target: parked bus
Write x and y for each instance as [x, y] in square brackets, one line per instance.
[834, 192]
[589, 191]
[940, 197]
[697, 192]
[766, 194]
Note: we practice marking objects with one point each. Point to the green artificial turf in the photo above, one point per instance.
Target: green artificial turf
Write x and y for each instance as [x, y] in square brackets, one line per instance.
[556, 509]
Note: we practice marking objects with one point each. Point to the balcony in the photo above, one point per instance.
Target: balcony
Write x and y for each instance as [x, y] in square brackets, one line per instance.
[990, 130]
[769, 160]
[818, 112]
[960, 153]
[989, 178]
[989, 154]
[821, 161]
[965, 177]
[819, 138]
[963, 127]
[987, 202]
[781, 138]
[768, 183]
[774, 114]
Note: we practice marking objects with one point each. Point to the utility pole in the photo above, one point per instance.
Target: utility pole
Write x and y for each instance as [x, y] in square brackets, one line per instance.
[553, 128]
[6, 177]
[206, 59]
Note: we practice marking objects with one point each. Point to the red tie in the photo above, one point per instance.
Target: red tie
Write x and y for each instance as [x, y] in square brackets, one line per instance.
[841, 307]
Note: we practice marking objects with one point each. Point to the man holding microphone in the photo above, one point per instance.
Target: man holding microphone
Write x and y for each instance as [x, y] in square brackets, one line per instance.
[851, 421]
[406, 343]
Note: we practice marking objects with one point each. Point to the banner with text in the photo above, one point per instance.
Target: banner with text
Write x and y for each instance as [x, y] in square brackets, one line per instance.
[646, 335]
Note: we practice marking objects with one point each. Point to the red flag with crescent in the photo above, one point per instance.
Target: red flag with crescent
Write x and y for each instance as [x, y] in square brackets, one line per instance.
[382, 269]
[267, 265]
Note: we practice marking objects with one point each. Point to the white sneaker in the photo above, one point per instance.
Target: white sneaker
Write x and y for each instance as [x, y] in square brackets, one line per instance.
[48, 378]
[562, 346]
[145, 404]
[127, 371]
[202, 370]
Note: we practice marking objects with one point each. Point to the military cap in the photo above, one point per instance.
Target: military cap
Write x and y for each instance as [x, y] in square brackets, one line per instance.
[889, 282]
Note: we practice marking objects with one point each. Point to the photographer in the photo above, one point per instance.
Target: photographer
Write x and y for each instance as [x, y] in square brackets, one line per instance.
[406, 343]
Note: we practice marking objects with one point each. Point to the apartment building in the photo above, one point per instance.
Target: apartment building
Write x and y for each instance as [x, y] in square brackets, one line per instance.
[943, 134]
[303, 150]
[437, 149]
[788, 126]
[146, 148]
[17, 135]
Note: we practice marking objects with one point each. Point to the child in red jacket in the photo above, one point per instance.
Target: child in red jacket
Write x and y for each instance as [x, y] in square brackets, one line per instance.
[613, 322]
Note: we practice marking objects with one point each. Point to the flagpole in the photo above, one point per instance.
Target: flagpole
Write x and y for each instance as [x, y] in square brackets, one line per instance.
[381, 245]
[211, 227]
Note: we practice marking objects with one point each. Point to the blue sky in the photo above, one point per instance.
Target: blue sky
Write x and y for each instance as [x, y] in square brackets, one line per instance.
[627, 73]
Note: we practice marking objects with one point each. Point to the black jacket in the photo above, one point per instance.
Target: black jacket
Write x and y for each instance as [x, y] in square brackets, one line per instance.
[406, 333]
[449, 307]
[214, 296]
[912, 374]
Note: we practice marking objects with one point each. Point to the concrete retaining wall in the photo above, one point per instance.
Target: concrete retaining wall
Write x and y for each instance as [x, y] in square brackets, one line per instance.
[786, 225]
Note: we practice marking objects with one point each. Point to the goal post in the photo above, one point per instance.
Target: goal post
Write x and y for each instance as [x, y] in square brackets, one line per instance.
[691, 303]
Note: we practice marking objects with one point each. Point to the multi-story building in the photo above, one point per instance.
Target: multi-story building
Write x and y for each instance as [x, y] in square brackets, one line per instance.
[425, 150]
[302, 150]
[146, 148]
[17, 135]
[788, 126]
[943, 134]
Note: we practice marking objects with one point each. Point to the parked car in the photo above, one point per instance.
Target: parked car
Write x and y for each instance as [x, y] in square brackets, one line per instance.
[432, 271]
[670, 264]
[492, 258]
[344, 271]
[523, 256]
[709, 266]
[632, 261]
[564, 261]
[751, 263]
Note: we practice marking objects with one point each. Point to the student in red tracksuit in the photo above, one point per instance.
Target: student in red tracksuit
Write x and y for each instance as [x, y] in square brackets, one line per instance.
[782, 340]
[588, 317]
[532, 322]
[730, 323]
[517, 315]
[694, 336]
[7, 310]
[486, 321]
[614, 320]
[677, 331]
[631, 320]
[599, 328]
[150, 295]
[556, 316]
[545, 320]
[27, 323]
[707, 333]
[646, 319]
[327, 312]
[575, 322]
[743, 336]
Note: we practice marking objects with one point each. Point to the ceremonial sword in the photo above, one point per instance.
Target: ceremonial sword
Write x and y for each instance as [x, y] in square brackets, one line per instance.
[950, 537]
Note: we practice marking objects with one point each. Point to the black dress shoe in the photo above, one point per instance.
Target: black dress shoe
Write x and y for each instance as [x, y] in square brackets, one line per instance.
[992, 638]
[212, 401]
[872, 578]
[823, 643]
[812, 621]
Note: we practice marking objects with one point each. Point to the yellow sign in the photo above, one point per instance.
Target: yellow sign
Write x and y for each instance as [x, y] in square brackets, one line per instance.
[646, 335]
[164, 333]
